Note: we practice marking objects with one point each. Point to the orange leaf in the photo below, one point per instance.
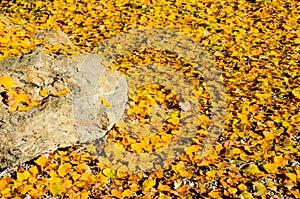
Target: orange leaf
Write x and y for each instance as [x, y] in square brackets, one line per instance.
[116, 193]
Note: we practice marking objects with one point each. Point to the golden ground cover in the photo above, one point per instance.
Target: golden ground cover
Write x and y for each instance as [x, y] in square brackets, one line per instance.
[256, 45]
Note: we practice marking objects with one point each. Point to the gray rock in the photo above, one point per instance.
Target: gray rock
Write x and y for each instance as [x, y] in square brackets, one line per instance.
[59, 119]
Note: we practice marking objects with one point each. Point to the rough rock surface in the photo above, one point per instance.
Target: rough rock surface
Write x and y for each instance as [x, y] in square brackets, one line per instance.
[66, 93]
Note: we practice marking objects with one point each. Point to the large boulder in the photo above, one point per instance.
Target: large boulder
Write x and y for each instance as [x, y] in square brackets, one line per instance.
[49, 101]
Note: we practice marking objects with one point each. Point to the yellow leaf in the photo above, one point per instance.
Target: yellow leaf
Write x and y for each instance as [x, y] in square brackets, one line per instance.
[43, 93]
[280, 161]
[268, 135]
[203, 119]
[75, 176]
[192, 150]
[234, 151]
[86, 177]
[271, 185]
[296, 193]
[174, 120]
[246, 195]
[218, 54]
[292, 176]
[41, 161]
[296, 92]
[256, 51]
[271, 167]
[134, 187]
[6, 191]
[148, 184]
[181, 170]
[64, 169]
[122, 172]
[56, 186]
[62, 152]
[61, 93]
[252, 169]
[3, 183]
[110, 172]
[34, 170]
[185, 174]
[104, 102]
[162, 187]
[81, 168]
[23, 175]
[26, 188]
[84, 194]
[168, 197]
[116, 193]
[7, 82]
[244, 156]
[260, 188]
[26, 43]
[127, 193]
[91, 148]
[214, 194]
[138, 147]
[232, 190]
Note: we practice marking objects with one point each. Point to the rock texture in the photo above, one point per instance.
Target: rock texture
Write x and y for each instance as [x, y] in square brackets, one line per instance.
[75, 100]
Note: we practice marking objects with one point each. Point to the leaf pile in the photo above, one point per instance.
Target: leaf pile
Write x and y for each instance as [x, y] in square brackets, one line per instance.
[256, 44]
[18, 100]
